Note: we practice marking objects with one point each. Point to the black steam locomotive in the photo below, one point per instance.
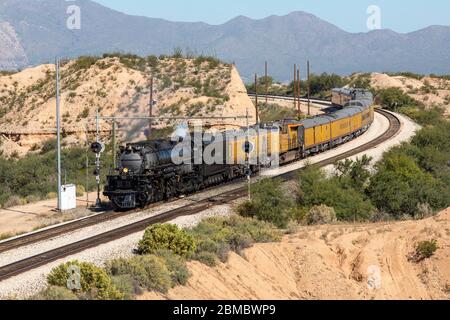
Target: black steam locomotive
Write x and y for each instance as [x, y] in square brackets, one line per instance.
[147, 174]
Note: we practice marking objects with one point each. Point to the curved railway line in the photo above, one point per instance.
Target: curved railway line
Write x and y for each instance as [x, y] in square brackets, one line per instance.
[36, 261]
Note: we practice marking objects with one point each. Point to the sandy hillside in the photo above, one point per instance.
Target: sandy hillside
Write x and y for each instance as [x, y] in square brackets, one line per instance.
[331, 262]
[430, 91]
[116, 86]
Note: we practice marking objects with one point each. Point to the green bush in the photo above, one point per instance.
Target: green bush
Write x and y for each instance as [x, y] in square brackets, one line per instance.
[394, 98]
[215, 237]
[127, 285]
[81, 190]
[314, 189]
[166, 237]
[34, 175]
[149, 271]
[94, 281]
[320, 215]
[207, 258]
[56, 294]
[84, 62]
[269, 203]
[176, 266]
[400, 185]
[424, 250]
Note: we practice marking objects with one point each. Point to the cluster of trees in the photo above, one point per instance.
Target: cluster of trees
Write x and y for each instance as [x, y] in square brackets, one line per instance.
[33, 177]
[320, 85]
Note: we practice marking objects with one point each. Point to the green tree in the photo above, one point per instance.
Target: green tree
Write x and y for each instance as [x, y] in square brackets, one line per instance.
[400, 185]
[355, 172]
[394, 98]
[166, 237]
[269, 203]
[314, 189]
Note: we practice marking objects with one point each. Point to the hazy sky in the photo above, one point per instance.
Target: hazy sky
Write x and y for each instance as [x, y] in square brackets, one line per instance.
[350, 15]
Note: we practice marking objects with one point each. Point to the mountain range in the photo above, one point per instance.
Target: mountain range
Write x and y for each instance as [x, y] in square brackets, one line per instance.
[34, 32]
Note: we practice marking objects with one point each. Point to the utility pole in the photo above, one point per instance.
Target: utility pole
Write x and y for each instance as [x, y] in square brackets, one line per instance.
[249, 175]
[58, 132]
[299, 92]
[87, 166]
[98, 203]
[114, 149]
[256, 99]
[151, 109]
[267, 83]
[295, 86]
[309, 91]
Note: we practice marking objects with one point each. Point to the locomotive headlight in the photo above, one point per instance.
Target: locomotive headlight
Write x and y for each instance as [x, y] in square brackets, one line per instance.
[125, 170]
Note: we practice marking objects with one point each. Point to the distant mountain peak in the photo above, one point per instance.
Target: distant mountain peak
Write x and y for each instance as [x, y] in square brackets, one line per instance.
[41, 34]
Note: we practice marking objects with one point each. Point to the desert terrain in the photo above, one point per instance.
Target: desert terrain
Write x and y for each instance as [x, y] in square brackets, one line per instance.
[116, 86]
[342, 261]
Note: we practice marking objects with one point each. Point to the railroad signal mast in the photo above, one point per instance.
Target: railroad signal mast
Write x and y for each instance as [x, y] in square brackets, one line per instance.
[309, 90]
[151, 104]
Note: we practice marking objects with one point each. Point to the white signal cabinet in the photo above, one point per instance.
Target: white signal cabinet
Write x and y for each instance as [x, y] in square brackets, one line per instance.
[68, 197]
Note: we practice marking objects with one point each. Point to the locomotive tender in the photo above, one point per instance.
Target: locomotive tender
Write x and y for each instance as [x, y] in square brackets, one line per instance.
[147, 172]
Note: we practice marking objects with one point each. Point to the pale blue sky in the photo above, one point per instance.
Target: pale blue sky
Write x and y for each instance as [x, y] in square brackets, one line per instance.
[350, 15]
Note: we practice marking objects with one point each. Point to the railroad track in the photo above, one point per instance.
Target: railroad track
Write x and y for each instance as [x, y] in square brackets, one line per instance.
[31, 263]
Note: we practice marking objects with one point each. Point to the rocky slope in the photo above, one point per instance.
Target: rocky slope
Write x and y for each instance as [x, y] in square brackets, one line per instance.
[12, 54]
[116, 86]
[430, 91]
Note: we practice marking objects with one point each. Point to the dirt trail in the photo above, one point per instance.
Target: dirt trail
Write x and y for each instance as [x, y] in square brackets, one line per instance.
[367, 261]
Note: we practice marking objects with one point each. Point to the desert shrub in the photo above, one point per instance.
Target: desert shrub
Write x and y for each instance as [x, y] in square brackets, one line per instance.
[361, 81]
[127, 285]
[177, 53]
[354, 173]
[320, 215]
[394, 98]
[215, 237]
[406, 74]
[176, 266]
[84, 62]
[81, 190]
[152, 61]
[424, 250]
[207, 258]
[269, 203]
[166, 83]
[35, 175]
[322, 84]
[94, 281]
[149, 271]
[48, 145]
[85, 113]
[274, 112]
[424, 210]
[32, 199]
[14, 201]
[315, 189]
[426, 117]
[55, 293]
[400, 185]
[166, 237]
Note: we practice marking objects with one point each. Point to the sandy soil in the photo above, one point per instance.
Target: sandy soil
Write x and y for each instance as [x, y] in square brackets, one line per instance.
[28, 217]
[438, 93]
[366, 261]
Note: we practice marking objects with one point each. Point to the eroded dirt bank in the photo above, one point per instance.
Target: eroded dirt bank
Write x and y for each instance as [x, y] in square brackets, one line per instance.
[331, 262]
